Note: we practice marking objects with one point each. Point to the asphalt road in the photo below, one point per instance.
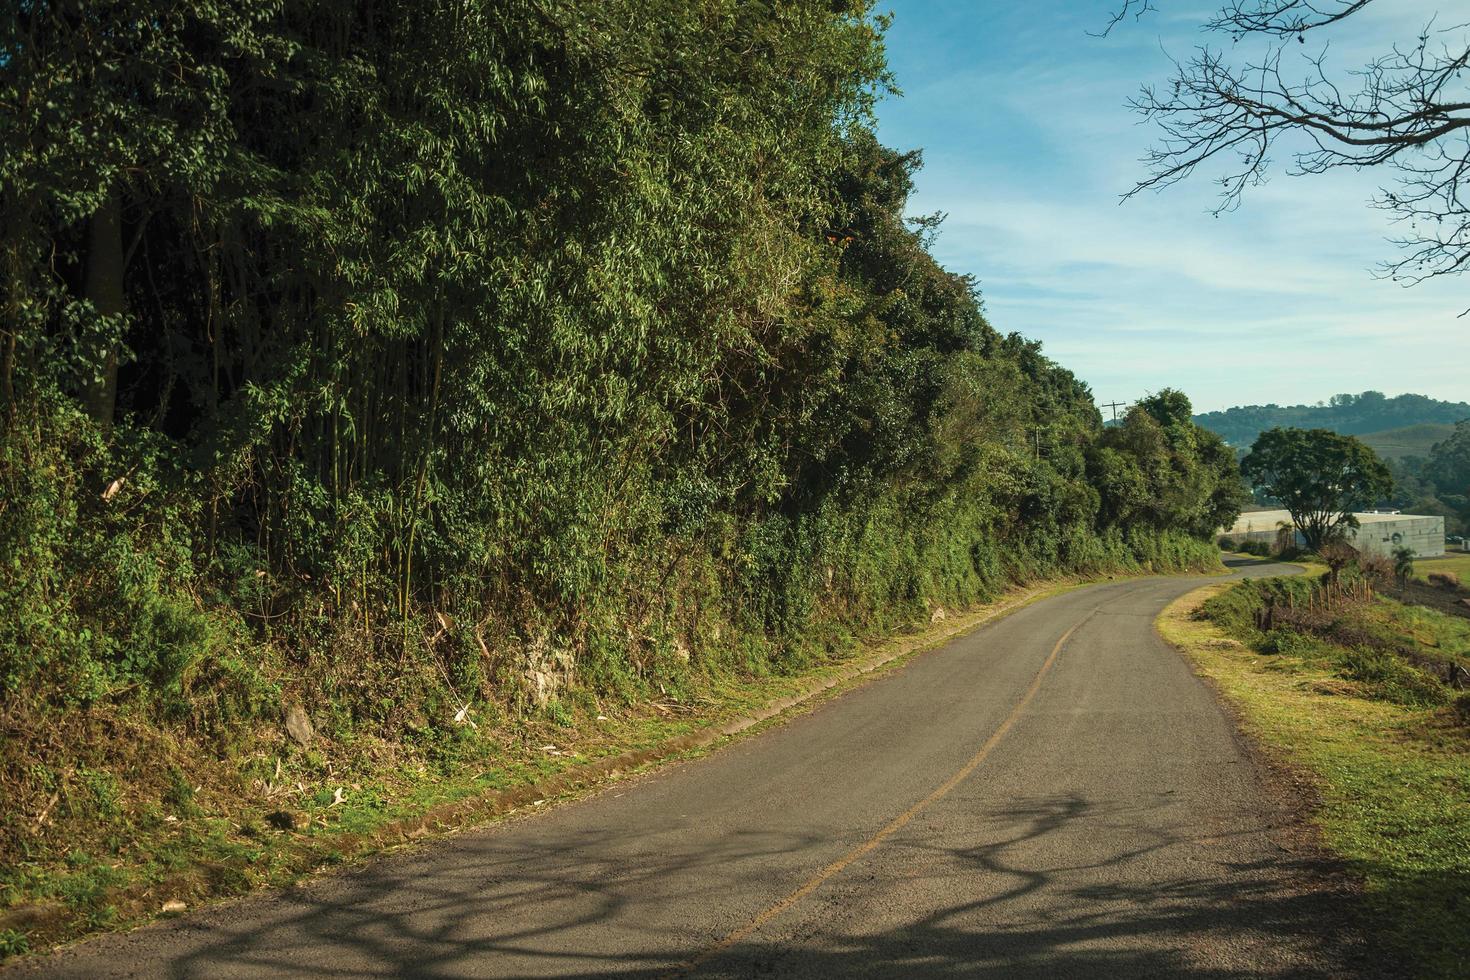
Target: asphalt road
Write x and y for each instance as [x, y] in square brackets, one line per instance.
[1054, 795]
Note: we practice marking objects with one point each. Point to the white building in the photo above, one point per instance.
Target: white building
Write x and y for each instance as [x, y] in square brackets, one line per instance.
[1377, 533]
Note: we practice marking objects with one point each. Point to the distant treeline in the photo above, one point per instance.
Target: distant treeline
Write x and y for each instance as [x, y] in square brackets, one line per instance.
[390, 355]
[1352, 415]
[1437, 482]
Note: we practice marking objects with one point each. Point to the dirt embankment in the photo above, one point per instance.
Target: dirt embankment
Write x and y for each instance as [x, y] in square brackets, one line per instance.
[1452, 601]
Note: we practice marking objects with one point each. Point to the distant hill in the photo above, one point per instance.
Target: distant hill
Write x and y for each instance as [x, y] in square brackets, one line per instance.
[1411, 440]
[1398, 419]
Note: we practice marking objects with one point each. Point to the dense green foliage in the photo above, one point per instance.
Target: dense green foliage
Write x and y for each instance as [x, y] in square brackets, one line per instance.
[1353, 415]
[1158, 469]
[362, 328]
[1319, 476]
[402, 357]
[1438, 481]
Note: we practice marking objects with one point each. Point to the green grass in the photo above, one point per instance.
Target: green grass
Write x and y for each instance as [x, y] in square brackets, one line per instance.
[1458, 564]
[1411, 440]
[1393, 778]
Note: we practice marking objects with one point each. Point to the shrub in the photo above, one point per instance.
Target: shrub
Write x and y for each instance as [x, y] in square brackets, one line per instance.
[1288, 641]
[1378, 569]
[1460, 709]
[13, 942]
[1235, 609]
[1390, 678]
[1403, 564]
[1448, 581]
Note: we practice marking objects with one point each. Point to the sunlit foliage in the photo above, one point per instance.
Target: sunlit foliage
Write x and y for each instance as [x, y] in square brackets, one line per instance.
[392, 341]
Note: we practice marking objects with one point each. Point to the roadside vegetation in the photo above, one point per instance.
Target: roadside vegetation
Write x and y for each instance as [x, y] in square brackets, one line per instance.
[1371, 699]
[304, 812]
[389, 393]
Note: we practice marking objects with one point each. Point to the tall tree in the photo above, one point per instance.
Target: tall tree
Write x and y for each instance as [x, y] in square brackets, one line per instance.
[1319, 476]
[1159, 469]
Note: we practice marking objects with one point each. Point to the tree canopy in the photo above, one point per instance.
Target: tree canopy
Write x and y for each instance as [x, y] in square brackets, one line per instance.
[1319, 476]
[1159, 467]
[596, 330]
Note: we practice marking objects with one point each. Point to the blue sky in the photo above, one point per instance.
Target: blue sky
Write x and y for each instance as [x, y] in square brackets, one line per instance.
[1028, 145]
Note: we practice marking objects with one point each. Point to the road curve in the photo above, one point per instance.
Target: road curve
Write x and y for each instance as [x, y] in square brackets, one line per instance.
[1055, 795]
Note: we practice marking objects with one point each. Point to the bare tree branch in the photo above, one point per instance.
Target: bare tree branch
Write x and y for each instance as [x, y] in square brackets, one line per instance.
[1408, 110]
[1138, 8]
[1280, 18]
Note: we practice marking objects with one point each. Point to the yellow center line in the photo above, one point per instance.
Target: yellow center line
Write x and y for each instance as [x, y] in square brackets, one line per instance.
[895, 825]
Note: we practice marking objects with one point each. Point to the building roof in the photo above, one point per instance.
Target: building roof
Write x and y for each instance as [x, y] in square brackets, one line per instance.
[1269, 520]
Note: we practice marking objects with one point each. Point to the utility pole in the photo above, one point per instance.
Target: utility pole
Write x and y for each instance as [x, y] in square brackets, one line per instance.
[1114, 406]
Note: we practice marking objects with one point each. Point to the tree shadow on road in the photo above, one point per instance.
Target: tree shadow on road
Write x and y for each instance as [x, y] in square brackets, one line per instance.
[619, 902]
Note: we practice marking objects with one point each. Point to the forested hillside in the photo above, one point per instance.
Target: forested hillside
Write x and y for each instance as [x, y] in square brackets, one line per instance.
[415, 359]
[1351, 415]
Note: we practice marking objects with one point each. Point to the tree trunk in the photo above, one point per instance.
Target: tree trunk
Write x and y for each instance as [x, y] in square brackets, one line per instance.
[11, 327]
[103, 286]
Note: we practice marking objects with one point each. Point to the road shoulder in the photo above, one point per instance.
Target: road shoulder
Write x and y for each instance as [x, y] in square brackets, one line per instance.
[1345, 771]
[581, 764]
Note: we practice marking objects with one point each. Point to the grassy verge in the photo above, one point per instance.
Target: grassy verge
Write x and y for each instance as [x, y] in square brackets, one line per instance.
[311, 808]
[1391, 761]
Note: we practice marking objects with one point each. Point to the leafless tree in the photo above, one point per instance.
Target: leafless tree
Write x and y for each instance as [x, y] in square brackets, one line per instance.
[1408, 110]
